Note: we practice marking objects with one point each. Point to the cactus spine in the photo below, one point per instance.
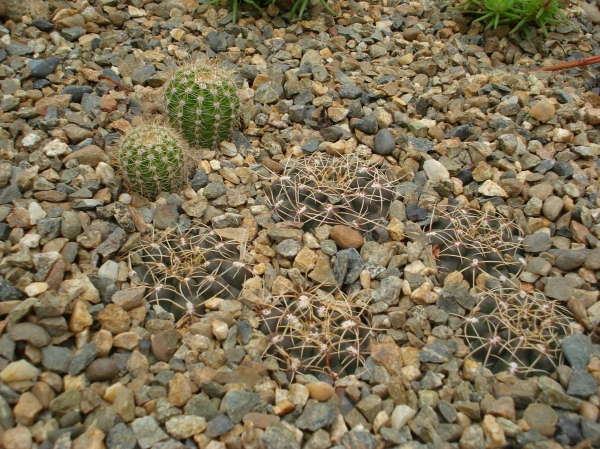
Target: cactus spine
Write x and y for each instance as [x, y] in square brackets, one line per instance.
[152, 160]
[202, 101]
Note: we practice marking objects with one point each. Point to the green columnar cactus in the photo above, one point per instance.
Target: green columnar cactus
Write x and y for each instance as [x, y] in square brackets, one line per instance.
[152, 160]
[202, 102]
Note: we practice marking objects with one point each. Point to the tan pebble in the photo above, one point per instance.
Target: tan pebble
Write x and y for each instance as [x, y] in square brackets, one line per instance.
[283, 408]
[126, 340]
[27, 409]
[543, 111]
[80, 317]
[104, 342]
[589, 410]
[18, 371]
[17, 438]
[321, 391]
[298, 394]
[93, 438]
[494, 435]
[345, 237]
[180, 391]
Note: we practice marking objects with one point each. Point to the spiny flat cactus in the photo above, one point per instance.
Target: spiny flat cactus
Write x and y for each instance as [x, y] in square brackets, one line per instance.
[474, 242]
[320, 189]
[183, 269]
[311, 331]
[202, 102]
[152, 159]
[511, 329]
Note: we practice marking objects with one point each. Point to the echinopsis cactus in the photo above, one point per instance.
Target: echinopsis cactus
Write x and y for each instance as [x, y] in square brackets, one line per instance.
[202, 102]
[474, 242]
[511, 329]
[183, 269]
[320, 189]
[311, 331]
[152, 159]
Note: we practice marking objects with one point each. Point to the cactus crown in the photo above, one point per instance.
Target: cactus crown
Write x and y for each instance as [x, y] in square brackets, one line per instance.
[202, 101]
[310, 330]
[152, 159]
[184, 268]
[320, 189]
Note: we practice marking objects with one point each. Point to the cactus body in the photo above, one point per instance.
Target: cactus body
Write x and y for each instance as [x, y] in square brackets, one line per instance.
[152, 160]
[321, 189]
[202, 102]
[310, 331]
[184, 268]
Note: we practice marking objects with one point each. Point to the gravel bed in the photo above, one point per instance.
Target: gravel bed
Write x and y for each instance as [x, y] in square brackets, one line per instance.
[89, 359]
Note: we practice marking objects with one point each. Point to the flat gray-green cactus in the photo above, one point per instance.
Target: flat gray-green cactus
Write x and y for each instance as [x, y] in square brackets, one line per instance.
[202, 101]
[152, 159]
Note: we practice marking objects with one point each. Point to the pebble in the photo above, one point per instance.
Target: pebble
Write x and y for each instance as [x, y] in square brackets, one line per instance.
[543, 111]
[345, 237]
[101, 370]
[384, 142]
[320, 391]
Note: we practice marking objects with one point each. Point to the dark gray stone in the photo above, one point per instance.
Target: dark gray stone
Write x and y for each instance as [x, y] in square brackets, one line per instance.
[350, 91]
[8, 194]
[582, 384]
[315, 416]
[218, 426]
[367, 125]
[141, 76]
[359, 439]
[570, 259]
[120, 437]
[201, 406]
[237, 403]
[277, 436]
[41, 68]
[8, 292]
[84, 357]
[214, 190]
[384, 142]
[76, 92]
[57, 358]
[577, 349]
[461, 131]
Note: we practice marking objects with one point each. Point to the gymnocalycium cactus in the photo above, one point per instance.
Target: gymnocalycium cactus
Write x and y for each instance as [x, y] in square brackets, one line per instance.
[202, 102]
[152, 159]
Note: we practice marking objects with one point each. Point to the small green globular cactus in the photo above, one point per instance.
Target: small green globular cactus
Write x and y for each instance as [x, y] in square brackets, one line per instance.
[152, 159]
[202, 102]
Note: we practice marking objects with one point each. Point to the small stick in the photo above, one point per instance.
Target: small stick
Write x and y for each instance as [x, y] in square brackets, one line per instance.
[568, 65]
[108, 78]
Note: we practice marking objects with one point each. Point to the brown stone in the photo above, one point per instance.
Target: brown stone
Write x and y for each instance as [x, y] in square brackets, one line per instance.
[27, 409]
[504, 407]
[541, 417]
[89, 155]
[179, 390]
[61, 101]
[345, 237]
[165, 343]
[93, 438]
[101, 370]
[410, 34]
[108, 103]
[389, 355]
[53, 196]
[114, 319]
[321, 391]
[271, 165]
[260, 420]
[80, 317]
[17, 438]
[543, 111]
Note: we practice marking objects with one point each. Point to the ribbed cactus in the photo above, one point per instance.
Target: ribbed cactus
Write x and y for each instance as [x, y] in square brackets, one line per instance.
[202, 101]
[152, 160]
[475, 242]
[320, 189]
[511, 329]
[184, 268]
[311, 331]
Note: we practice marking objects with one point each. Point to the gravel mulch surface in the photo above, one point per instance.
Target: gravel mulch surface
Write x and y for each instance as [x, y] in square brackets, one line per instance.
[89, 360]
